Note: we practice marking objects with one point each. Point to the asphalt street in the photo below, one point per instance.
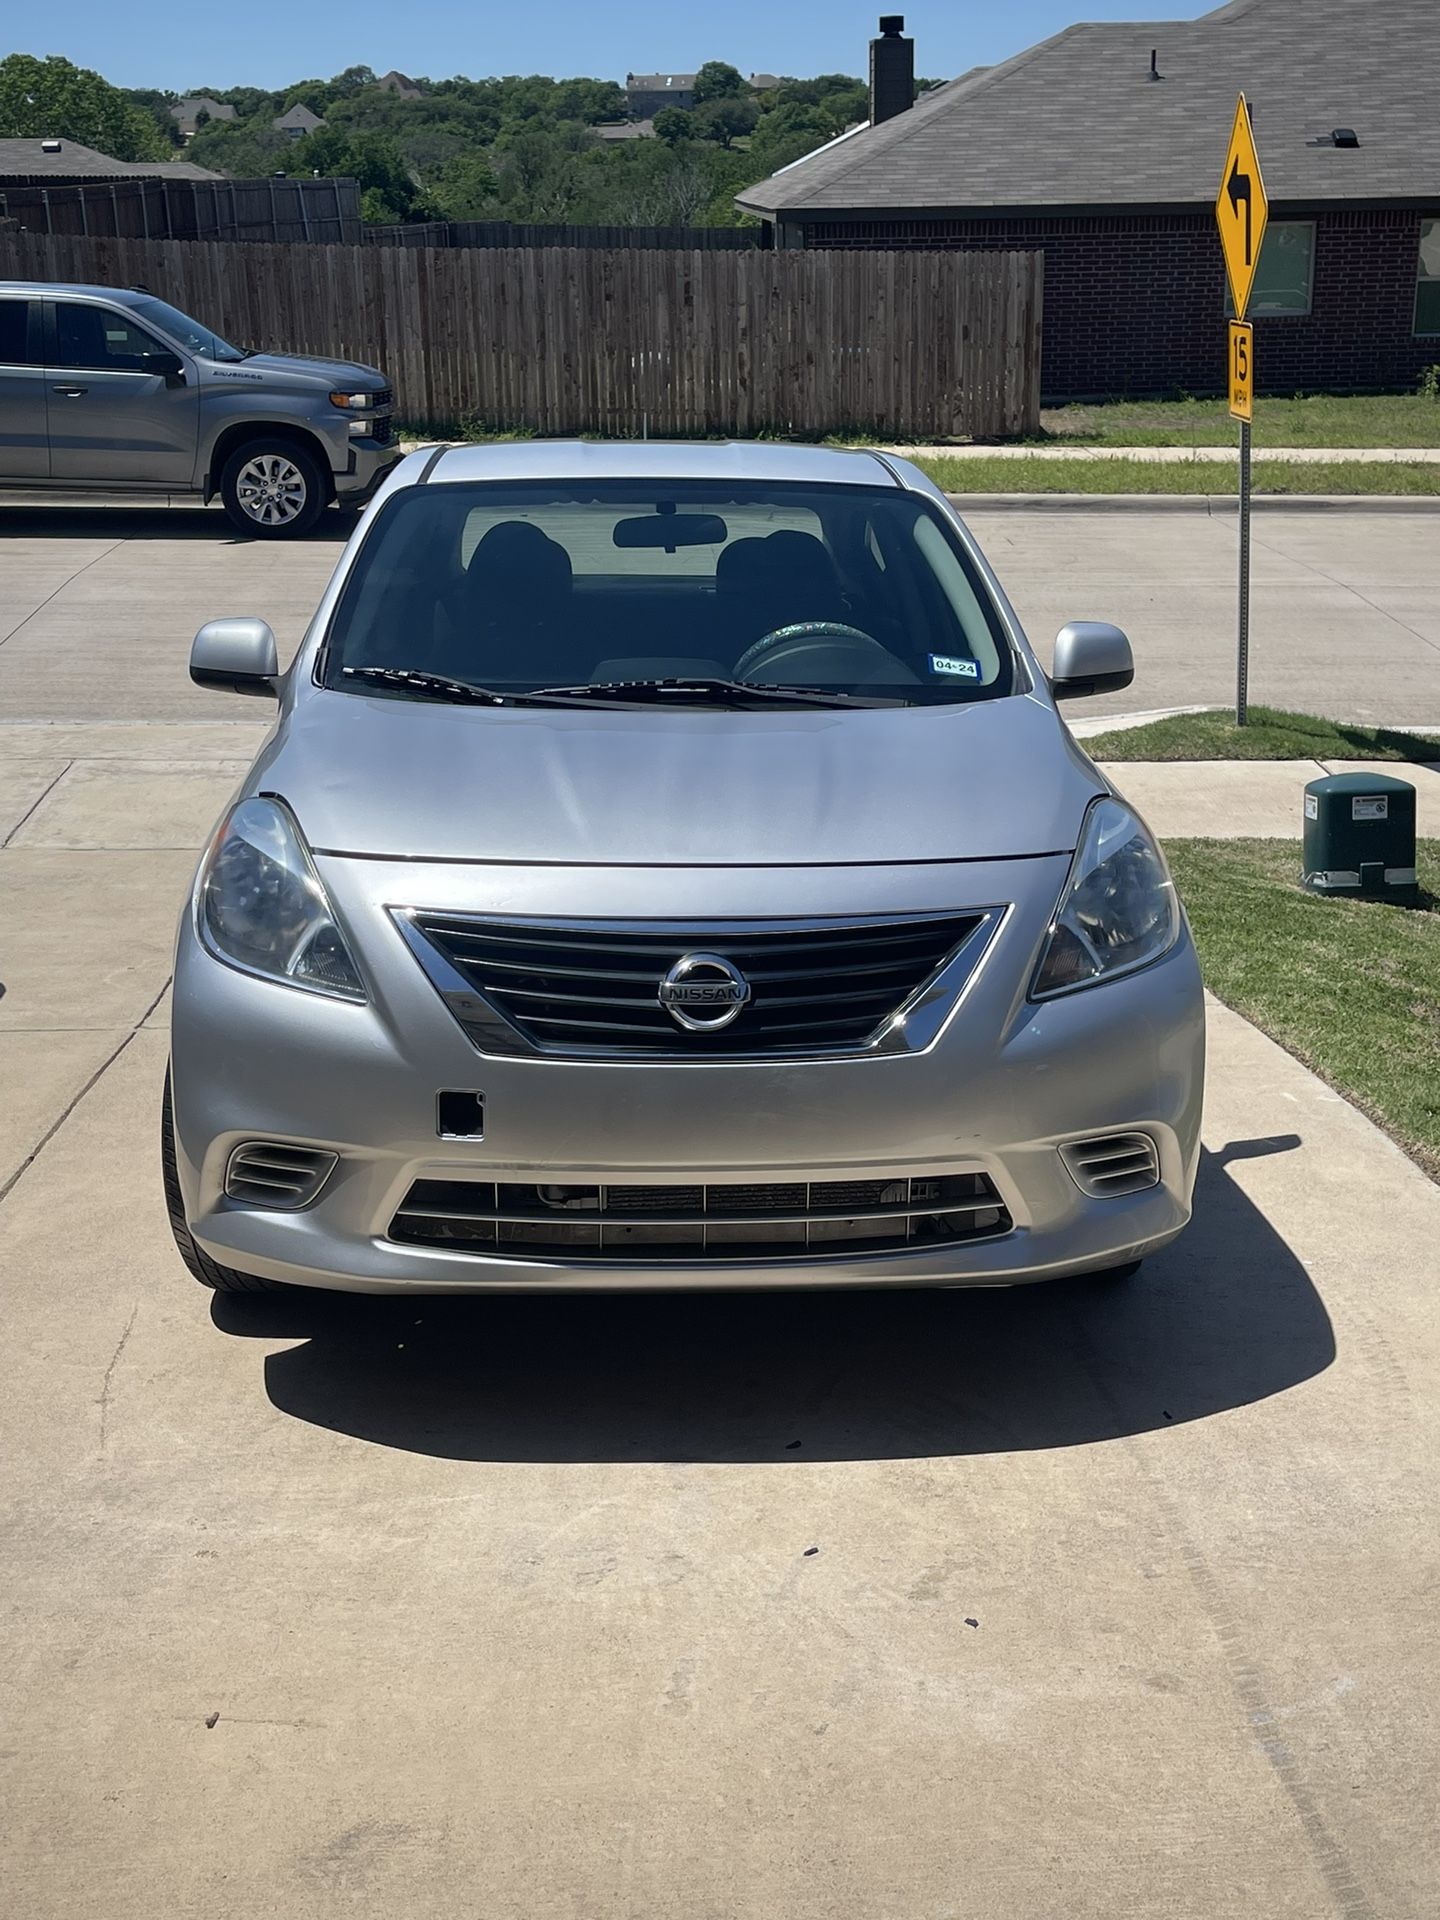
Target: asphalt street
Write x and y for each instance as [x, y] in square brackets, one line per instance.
[1016, 1604]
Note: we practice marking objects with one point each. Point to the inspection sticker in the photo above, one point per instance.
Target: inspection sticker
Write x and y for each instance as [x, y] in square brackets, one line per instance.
[962, 669]
[1377, 808]
[1312, 806]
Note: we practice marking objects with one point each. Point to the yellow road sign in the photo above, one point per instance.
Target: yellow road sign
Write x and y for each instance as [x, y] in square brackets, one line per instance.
[1241, 210]
[1242, 370]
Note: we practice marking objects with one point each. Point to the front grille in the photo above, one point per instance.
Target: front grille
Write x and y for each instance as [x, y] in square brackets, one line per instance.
[268, 1173]
[383, 431]
[751, 1221]
[1113, 1163]
[567, 988]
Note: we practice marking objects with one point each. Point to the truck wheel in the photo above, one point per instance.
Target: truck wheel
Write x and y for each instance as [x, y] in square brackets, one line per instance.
[207, 1271]
[273, 489]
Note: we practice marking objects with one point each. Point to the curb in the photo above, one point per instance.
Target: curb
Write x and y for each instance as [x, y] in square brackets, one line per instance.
[1213, 505]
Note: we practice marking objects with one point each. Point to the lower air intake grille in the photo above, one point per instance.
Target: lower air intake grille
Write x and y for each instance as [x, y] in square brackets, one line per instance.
[628, 1224]
[1112, 1164]
[267, 1173]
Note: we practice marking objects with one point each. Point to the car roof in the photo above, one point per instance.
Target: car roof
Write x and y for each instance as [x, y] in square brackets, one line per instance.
[737, 460]
[123, 296]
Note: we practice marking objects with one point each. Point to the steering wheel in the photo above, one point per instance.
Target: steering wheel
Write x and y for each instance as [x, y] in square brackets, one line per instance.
[821, 641]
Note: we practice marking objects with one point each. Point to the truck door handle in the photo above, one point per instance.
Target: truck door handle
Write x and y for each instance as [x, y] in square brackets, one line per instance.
[70, 393]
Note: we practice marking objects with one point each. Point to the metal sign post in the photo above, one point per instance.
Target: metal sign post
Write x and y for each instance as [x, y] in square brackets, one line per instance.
[1242, 211]
[1242, 408]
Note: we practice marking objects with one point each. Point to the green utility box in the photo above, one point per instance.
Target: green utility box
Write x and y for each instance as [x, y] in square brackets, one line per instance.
[1360, 837]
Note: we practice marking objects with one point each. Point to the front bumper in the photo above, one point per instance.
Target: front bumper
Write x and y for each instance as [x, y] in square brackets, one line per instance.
[1004, 1085]
[365, 468]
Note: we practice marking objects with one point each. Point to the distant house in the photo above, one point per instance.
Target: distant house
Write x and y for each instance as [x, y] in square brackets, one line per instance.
[399, 84]
[196, 109]
[297, 121]
[764, 82]
[647, 94]
[62, 162]
[1102, 147]
[625, 130]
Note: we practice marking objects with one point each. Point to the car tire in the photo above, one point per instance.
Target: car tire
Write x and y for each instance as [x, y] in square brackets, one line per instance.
[273, 489]
[207, 1271]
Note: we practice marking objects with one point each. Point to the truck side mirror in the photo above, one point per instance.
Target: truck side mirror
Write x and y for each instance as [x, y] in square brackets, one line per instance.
[237, 656]
[169, 366]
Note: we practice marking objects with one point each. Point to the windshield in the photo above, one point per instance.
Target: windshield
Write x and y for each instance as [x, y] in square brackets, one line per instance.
[186, 332]
[859, 591]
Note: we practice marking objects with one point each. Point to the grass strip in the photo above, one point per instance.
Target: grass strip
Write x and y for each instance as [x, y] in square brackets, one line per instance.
[1270, 735]
[1349, 987]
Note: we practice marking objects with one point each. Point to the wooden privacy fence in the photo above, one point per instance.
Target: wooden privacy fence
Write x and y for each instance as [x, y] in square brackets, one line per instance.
[514, 233]
[652, 342]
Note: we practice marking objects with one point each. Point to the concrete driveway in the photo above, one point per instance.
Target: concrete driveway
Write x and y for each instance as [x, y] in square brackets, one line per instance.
[1027, 1604]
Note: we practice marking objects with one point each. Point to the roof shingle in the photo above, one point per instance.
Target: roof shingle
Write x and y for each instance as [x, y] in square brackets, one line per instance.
[1077, 121]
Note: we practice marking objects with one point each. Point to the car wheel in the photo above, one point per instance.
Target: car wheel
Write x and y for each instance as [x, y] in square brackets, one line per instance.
[207, 1271]
[273, 489]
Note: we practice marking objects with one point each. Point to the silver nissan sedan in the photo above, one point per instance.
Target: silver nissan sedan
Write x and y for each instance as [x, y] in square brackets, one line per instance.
[669, 869]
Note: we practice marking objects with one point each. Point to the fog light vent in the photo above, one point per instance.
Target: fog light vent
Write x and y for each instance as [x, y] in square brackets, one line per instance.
[1112, 1164]
[268, 1173]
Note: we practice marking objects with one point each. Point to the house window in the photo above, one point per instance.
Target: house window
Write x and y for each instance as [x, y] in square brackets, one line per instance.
[1427, 291]
[1286, 273]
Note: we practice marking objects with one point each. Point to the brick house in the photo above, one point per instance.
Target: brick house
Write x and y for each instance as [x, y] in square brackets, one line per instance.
[1103, 146]
[647, 94]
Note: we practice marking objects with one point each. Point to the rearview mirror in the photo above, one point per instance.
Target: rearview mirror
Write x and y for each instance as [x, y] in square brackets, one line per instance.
[1091, 656]
[236, 655]
[671, 530]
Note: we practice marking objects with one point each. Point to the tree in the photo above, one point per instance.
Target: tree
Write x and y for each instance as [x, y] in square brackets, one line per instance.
[674, 124]
[716, 80]
[387, 192]
[463, 188]
[52, 99]
[725, 121]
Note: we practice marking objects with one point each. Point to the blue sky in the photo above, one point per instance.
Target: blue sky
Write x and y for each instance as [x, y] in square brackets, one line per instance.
[174, 43]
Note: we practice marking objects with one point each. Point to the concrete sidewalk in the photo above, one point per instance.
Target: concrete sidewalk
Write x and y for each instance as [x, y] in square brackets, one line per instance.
[1176, 456]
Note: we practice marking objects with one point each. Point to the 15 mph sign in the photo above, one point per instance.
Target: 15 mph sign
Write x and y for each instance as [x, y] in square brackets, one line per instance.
[1242, 210]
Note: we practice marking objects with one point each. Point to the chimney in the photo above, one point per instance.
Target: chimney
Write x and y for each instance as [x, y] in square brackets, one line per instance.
[892, 70]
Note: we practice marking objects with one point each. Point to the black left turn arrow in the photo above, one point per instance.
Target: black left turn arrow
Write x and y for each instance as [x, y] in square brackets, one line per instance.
[1239, 187]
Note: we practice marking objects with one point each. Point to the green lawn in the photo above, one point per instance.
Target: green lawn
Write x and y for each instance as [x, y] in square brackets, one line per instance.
[1320, 420]
[1350, 987]
[1270, 735]
[979, 473]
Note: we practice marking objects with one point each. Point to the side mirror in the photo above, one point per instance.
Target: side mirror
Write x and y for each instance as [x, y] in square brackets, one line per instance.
[1090, 657]
[236, 655]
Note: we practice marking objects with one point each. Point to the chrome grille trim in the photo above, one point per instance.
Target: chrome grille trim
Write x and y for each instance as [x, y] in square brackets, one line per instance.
[272, 1173]
[519, 986]
[1113, 1164]
[629, 1222]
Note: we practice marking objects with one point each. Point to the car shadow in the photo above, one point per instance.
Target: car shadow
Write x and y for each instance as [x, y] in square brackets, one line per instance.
[1225, 1317]
[188, 522]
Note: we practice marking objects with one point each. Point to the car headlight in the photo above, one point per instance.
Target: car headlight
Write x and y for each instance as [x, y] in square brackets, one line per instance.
[353, 402]
[1119, 910]
[262, 906]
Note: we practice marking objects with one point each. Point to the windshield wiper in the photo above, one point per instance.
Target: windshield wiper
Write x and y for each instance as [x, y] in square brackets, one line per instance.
[437, 686]
[716, 689]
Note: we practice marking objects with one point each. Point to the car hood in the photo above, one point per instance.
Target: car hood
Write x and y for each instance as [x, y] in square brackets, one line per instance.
[407, 779]
[350, 375]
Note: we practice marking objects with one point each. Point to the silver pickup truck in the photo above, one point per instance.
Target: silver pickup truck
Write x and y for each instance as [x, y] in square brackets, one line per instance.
[113, 391]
